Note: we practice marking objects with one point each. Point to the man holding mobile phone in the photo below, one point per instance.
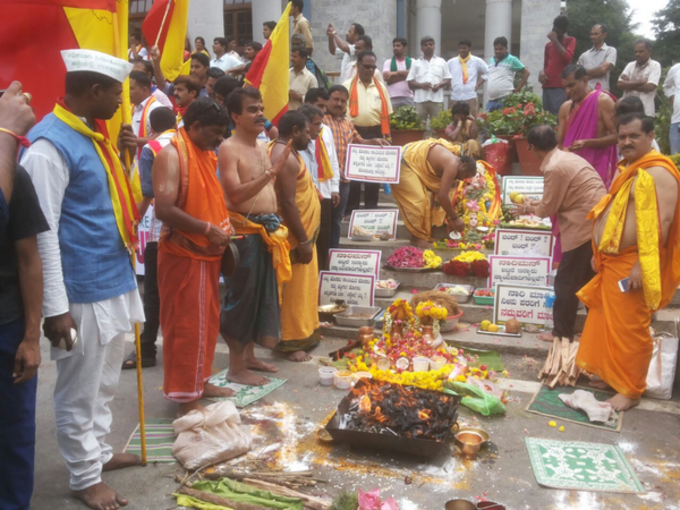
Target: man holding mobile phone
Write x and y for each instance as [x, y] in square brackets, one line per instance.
[636, 235]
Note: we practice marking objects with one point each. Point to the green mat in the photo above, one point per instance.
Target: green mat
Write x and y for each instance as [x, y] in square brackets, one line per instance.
[547, 403]
[160, 437]
[574, 465]
[245, 395]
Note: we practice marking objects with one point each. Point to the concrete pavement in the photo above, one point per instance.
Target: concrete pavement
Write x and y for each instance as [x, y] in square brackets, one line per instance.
[650, 439]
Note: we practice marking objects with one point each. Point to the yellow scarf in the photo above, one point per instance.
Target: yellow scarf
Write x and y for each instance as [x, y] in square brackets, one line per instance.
[463, 66]
[647, 221]
[323, 162]
[124, 207]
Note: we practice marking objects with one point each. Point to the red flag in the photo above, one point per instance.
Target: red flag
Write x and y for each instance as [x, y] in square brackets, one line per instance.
[153, 21]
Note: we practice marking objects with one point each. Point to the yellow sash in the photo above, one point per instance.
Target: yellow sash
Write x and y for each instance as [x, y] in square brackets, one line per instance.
[323, 162]
[463, 66]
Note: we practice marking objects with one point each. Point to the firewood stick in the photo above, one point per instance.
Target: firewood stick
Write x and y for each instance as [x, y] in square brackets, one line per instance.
[218, 500]
[310, 501]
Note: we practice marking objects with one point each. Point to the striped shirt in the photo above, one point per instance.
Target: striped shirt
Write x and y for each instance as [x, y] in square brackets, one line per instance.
[344, 133]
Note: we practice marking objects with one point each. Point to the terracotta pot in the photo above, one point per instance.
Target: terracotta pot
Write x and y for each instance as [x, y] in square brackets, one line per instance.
[428, 334]
[512, 155]
[402, 137]
[527, 160]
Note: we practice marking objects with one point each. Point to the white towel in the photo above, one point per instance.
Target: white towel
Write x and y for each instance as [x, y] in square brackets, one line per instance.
[586, 401]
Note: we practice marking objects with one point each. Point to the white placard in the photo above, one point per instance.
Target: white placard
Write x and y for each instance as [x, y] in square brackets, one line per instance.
[524, 242]
[143, 233]
[353, 289]
[530, 187]
[355, 261]
[377, 221]
[526, 304]
[530, 271]
[371, 163]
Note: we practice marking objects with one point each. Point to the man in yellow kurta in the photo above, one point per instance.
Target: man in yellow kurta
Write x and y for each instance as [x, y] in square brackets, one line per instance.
[300, 207]
[636, 238]
[429, 170]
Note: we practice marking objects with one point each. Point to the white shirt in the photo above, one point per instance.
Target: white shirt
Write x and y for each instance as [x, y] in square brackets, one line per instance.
[348, 60]
[593, 58]
[671, 88]
[652, 71]
[431, 71]
[332, 185]
[162, 97]
[142, 53]
[50, 175]
[476, 67]
[137, 115]
[226, 62]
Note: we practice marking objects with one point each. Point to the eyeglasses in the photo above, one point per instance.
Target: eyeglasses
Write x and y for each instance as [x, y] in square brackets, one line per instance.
[372, 68]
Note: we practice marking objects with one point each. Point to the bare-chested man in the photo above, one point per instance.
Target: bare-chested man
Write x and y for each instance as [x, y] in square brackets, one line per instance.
[586, 127]
[636, 265]
[300, 208]
[251, 307]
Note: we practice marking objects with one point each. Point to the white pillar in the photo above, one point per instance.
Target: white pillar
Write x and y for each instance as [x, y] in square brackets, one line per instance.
[264, 10]
[497, 23]
[428, 22]
[206, 18]
[537, 16]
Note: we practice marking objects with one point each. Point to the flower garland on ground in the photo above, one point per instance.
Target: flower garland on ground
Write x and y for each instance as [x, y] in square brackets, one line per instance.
[415, 258]
[468, 263]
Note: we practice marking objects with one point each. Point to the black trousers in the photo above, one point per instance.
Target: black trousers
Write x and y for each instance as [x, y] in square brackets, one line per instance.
[152, 302]
[371, 189]
[323, 242]
[572, 274]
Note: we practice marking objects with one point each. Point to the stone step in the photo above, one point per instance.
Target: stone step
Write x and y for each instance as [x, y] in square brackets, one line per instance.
[402, 231]
[388, 247]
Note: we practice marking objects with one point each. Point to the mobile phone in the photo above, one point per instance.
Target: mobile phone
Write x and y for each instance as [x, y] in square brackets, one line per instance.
[623, 284]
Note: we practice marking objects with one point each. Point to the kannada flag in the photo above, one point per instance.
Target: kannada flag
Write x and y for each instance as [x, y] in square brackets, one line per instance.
[269, 71]
[172, 31]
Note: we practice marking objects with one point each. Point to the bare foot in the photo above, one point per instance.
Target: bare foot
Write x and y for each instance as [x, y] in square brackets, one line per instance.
[246, 377]
[100, 497]
[298, 356]
[212, 391]
[186, 407]
[545, 337]
[419, 243]
[122, 460]
[253, 363]
[621, 403]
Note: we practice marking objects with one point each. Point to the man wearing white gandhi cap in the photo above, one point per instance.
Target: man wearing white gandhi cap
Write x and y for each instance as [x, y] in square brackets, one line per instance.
[90, 292]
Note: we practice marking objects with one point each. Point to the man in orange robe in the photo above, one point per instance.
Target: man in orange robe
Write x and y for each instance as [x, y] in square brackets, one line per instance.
[196, 231]
[300, 208]
[636, 238]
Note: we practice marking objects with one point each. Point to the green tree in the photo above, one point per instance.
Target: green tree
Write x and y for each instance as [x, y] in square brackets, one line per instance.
[616, 16]
[666, 24]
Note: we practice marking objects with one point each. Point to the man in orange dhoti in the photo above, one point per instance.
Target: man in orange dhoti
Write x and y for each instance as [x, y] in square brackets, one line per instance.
[636, 237]
[196, 231]
[300, 207]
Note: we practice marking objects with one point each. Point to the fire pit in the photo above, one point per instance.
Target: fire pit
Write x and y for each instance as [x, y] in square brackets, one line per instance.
[377, 414]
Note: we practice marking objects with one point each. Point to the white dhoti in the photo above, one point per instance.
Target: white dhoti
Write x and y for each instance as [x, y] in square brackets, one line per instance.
[87, 379]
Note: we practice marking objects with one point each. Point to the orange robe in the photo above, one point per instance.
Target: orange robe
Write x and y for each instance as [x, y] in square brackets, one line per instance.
[299, 305]
[188, 277]
[616, 344]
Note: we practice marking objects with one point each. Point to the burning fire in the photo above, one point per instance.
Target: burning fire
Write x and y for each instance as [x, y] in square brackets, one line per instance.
[424, 414]
[365, 404]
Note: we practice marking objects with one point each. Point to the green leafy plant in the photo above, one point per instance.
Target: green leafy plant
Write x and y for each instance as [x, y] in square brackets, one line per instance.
[523, 97]
[441, 121]
[517, 118]
[405, 118]
[662, 120]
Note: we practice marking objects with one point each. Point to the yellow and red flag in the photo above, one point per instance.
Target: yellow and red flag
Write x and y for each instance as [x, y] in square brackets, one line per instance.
[169, 18]
[269, 71]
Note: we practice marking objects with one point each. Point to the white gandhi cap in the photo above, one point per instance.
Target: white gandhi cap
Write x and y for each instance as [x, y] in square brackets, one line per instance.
[96, 62]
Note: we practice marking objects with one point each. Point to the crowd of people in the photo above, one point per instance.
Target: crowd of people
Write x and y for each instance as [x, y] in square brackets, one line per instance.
[219, 179]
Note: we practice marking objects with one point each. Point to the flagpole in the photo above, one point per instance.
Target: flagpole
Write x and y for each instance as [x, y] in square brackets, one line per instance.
[165, 15]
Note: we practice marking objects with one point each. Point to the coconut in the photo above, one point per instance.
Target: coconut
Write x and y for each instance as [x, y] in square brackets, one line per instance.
[512, 326]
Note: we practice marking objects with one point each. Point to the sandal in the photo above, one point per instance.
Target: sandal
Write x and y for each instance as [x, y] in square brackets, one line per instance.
[130, 362]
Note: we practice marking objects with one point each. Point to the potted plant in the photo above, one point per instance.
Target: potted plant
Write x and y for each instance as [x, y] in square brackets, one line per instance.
[441, 122]
[406, 126]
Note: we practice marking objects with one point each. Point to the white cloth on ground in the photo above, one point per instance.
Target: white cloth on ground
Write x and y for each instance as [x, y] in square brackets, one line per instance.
[586, 401]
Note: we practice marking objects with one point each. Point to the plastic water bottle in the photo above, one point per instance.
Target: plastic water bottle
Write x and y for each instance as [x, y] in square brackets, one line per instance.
[549, 304]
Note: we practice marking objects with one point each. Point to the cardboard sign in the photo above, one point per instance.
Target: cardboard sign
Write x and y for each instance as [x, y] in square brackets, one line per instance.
[371, 163]
[377, 221]
[530, 187]
[524, 242]
[526, 304]
[354, 289]
[529, 271]
[355, 261]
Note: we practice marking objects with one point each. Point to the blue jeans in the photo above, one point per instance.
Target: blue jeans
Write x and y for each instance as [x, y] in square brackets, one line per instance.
[553, 98]
[17, 424]
[674, 136]
[493, 105]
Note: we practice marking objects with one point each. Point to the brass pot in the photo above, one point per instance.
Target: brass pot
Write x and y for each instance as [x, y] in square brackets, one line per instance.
[469, 443]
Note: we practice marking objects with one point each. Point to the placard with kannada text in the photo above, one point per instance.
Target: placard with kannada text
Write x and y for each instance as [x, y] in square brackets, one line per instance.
[354, 261]
[531, 271]
[521, 302]
[353, 289]
[371, 163]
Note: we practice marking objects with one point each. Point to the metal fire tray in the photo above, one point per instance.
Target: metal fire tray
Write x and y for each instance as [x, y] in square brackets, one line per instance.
[420, 447]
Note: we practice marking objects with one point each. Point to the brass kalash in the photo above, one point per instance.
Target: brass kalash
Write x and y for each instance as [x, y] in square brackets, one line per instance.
[406, 419]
